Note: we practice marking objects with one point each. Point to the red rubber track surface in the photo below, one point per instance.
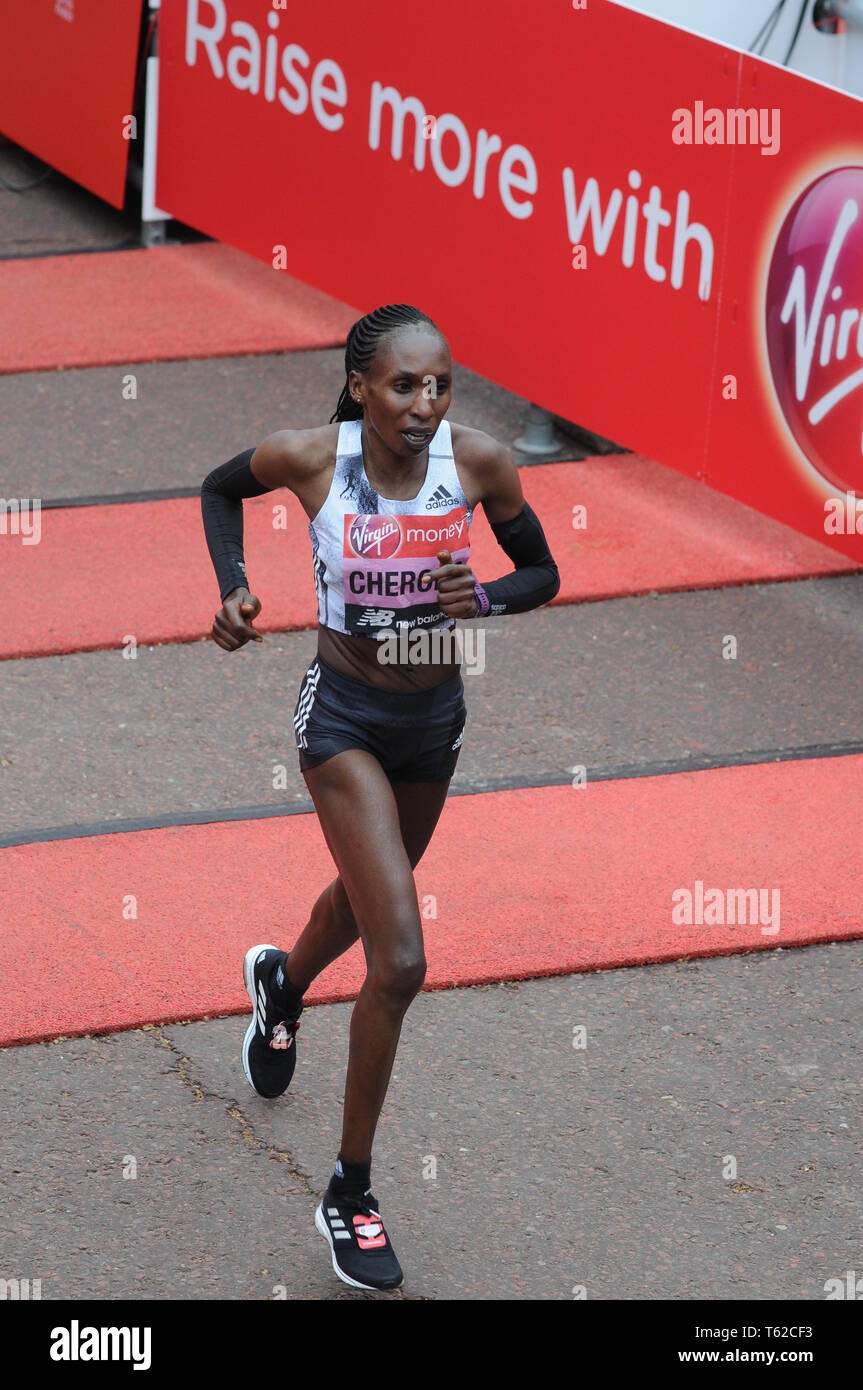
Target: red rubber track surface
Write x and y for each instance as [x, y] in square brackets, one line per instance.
[102, 573]
[571, 880]
[162, 304]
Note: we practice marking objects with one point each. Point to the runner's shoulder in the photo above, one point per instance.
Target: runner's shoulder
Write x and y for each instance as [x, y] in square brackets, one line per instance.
[477, 449]
[292, 458]
[483, 456]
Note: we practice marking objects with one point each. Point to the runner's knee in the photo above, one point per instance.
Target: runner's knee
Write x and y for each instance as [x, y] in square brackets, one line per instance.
[398, 970]
[399, 980]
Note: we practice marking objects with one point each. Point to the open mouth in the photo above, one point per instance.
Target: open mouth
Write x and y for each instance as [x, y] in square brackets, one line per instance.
[417, 436]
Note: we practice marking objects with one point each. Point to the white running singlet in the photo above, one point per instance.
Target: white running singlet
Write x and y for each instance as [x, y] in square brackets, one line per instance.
[372, 554]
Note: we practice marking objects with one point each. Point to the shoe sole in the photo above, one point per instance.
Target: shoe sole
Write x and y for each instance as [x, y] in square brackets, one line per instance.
[321, 1225]
[249, 980]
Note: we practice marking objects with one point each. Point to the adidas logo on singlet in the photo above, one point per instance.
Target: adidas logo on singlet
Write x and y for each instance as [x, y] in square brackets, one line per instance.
[440, 498]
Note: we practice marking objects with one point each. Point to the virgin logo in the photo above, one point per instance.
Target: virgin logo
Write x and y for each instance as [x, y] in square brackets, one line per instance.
[814, 324]
[376, 536]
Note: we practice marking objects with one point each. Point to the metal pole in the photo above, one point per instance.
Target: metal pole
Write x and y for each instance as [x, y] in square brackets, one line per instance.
[153, 219]
[539, 439]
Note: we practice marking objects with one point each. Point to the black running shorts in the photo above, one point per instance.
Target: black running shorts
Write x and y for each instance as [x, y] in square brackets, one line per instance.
[416, 735]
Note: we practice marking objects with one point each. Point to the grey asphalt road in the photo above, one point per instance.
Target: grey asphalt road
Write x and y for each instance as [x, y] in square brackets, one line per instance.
[704, 1143]
[70, 435]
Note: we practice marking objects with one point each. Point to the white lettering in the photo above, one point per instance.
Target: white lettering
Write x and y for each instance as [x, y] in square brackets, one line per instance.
[336, 95]
[806, 328]
[196, 33]
[295, 104]
[248, 57]
[603, 223]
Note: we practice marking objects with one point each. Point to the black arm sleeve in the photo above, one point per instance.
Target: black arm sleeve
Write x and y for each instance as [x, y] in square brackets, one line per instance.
[222, 493]
[536, 578]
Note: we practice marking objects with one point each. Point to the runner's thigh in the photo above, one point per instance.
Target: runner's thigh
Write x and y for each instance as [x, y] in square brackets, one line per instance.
[359, 816]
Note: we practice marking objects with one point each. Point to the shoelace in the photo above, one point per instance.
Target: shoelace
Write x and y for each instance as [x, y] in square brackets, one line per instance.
[369, 1208]
[282, 1039]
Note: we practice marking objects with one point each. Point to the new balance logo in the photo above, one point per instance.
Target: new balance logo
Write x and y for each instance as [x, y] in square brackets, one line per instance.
[376, 617]
[439, 499]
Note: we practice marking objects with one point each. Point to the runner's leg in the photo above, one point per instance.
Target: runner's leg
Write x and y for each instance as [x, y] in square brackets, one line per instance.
[332, 928]
[363, 823]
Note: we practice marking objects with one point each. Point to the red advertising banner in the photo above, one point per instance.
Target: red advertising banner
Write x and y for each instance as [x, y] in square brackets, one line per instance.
[638, 228]
[67, 76]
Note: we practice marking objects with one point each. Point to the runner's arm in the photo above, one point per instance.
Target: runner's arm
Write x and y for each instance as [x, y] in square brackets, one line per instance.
[222, 493]
[518, 532]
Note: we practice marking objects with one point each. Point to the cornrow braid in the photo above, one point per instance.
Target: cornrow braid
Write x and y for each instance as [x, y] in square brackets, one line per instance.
[362, 343]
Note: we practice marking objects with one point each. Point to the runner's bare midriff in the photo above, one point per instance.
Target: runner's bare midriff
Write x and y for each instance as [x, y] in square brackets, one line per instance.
[359, 657]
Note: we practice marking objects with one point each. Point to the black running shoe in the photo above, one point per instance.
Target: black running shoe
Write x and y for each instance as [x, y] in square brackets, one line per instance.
[362, 1254]
[269, 1047]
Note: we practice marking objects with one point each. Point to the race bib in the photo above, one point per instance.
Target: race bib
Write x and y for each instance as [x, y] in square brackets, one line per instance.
[386, 561]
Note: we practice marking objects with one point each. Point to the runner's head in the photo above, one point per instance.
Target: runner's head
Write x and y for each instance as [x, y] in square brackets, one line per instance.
[398, 377]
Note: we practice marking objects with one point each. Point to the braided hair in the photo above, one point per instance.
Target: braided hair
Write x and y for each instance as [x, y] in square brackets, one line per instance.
[362, 343]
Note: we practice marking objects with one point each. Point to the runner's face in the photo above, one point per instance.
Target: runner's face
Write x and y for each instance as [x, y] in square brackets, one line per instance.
[407, 390]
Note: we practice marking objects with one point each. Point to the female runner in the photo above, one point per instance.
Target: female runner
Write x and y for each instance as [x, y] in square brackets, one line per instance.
[390, 489]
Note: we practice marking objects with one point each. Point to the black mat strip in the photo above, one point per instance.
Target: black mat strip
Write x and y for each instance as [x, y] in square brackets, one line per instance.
[609, 774]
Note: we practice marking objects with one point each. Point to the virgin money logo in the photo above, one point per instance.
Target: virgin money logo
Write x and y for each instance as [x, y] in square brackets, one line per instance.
[814, 324]
[378, 537]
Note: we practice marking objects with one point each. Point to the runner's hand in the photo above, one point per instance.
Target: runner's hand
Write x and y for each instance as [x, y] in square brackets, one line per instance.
[232, 627]
[455, 587]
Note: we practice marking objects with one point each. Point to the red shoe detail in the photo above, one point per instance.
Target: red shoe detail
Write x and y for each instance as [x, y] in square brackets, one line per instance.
[283, 1037]
[369, 1230]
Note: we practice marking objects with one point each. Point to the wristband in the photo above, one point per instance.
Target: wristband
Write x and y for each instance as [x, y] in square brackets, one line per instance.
[483, 602]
